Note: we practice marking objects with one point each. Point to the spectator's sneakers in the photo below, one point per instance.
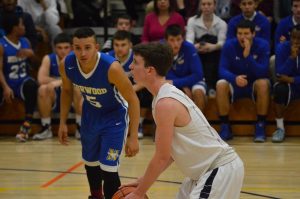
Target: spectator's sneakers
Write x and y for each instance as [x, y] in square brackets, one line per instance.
[278, 135]
[45, 133]
[77, 132]
[25, 129]
[259, 135]
[225, 132]
[140, 132]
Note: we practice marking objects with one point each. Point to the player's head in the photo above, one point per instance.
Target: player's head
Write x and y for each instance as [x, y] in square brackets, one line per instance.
[62, 45]
[122, 43]
[151, 59]
[9, 5]
[13, 24]
[296, 9]
[85, 45]
[245, 30]
[248, 7]
[295, 36]
[174, 36]
[123, 22]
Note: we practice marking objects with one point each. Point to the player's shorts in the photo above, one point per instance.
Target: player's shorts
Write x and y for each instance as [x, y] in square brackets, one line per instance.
[102, 138]
[200, 85]
[18, 87]
[241, 92]
[293, 92]
[223, 182]
[56, 105]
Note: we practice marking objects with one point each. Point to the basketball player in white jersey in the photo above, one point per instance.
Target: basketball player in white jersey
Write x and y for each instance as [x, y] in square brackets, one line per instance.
[183, 135]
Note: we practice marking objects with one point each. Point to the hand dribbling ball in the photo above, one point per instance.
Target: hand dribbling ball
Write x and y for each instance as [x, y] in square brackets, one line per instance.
[124, 191]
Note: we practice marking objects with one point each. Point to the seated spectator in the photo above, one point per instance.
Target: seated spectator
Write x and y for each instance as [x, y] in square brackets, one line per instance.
[10, 6]
[287, 86]
[122, 51]
[15, 50]
[164, 14]
[244, 73]
[123, 22]
[45, 16]
[208, 33]
[262, 25]
[186, 72]
[49, 90]
[285, 26]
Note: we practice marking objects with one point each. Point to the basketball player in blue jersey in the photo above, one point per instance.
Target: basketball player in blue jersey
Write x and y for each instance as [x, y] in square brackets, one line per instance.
[49, 90]
[14, 77]
[122, 51]
[183, 135]
[109, 99]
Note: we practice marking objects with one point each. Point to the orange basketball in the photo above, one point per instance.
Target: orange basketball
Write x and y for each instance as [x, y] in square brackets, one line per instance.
[124, 191]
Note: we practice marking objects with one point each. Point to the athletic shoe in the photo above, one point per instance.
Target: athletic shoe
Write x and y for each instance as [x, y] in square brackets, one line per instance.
[225, 132]
[278, 135]
[45, 133]
[259, 135]
[22, 135]
[140, 132]
[77, 132]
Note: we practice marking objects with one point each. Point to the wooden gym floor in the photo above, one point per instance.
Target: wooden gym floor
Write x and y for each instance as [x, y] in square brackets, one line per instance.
[46, 169]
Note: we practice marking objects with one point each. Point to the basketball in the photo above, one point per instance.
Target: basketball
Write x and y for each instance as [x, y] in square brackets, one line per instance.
[124, 191]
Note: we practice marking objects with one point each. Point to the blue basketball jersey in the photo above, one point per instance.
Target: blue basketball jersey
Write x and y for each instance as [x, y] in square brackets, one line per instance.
[99, 94]
[54, 65]
[125, 64]
[15, 68]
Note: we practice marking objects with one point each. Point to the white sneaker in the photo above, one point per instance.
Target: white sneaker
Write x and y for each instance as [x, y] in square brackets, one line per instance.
[45, 133]
[77, 134]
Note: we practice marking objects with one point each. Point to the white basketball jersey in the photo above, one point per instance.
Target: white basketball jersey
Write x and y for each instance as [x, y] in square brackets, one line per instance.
[197, 147]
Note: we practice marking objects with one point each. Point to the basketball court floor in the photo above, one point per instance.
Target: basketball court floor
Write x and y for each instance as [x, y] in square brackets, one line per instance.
[46, 169]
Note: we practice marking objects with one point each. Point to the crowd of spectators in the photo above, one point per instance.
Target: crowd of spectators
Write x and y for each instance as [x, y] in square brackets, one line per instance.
[222, 49]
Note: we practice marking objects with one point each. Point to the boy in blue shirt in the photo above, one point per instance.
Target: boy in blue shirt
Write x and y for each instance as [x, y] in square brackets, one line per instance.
[287, 86]
[243, 72]
[186, 72]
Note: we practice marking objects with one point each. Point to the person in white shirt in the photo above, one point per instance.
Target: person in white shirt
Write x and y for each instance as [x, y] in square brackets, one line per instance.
[45, 15]
[183, 135]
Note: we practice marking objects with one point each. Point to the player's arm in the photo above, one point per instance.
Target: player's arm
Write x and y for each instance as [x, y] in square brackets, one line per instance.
[165, 115]
[66, 97]
[44, 72]
[7, 91]
[117, 76]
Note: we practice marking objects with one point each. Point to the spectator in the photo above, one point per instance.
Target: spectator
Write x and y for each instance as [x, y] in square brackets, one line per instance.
[122, 51]
[287, 86]
[45, 15]
[10, 6]
[15, 50]
[164, 14]
[50, 87]
[131, 9]
[186, 71]
[262, 25]
[208, 33]
[243, 74]
[283, 30]
[123, 22]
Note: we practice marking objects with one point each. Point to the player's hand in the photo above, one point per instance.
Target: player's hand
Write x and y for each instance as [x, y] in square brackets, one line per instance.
[282, 39]
[132, 146]
[8, 94]
[63, 134]
[241, 80]
[24, 53]
[133, 195]
[247, 48]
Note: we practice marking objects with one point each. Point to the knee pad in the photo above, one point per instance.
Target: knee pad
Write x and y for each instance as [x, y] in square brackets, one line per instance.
[281, 93]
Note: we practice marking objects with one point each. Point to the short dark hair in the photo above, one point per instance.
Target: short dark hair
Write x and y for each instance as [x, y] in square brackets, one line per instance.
[84, 32]
[122, 35]
[246, 24]
[10, 20]
[173, 30]
[158, 55]
[122, 16]
[62, 38]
